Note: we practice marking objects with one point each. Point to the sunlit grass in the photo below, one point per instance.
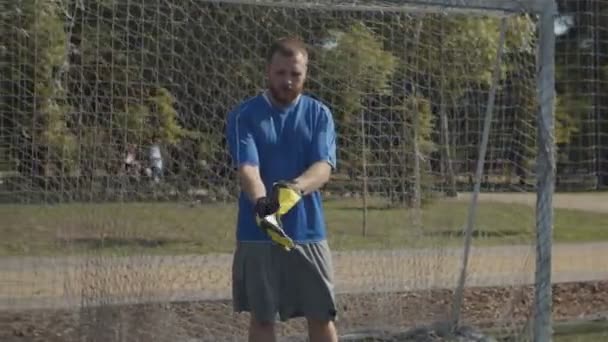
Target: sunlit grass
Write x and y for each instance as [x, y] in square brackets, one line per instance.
[176, 228]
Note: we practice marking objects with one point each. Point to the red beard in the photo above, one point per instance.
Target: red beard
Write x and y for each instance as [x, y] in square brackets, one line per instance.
[284, 95]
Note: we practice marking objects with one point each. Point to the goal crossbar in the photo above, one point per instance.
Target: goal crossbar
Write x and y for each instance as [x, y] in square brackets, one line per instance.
[463, 6]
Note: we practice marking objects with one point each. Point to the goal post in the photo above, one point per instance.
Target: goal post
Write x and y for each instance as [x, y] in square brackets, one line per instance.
[547, 11]
[438, 104]
[463, 6]
[546, 169]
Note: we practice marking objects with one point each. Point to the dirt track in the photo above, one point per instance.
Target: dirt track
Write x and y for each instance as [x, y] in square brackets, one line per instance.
[213, 321]
[67, 282]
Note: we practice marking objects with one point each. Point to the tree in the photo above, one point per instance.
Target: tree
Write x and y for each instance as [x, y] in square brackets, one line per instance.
[344, 74]
[37, 98]
[581, 58]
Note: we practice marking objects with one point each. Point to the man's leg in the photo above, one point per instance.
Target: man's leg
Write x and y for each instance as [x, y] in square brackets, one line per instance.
[307, 289]
[322, 330]
[261, 331]
[255, 288]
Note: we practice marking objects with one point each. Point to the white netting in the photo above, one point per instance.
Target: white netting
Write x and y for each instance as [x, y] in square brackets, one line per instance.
[93, 87]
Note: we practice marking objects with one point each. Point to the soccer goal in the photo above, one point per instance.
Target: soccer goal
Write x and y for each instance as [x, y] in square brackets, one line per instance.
[121, 202]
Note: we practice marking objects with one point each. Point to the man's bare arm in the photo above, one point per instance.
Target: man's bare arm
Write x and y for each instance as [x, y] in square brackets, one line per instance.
[251, 182]
[314, 177]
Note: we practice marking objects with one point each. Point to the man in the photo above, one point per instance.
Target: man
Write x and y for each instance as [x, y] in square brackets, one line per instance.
[156, 160]
[283, 135]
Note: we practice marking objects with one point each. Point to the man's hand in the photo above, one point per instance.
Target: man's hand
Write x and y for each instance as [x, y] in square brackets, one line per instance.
[283, 197]
[265, 206]
[272, 227]
[287, 195]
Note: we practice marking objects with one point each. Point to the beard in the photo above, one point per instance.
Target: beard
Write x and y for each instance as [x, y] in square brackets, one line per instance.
[284, 95]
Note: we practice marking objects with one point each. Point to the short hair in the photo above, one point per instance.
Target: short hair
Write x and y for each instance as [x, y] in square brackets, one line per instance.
[287, 47]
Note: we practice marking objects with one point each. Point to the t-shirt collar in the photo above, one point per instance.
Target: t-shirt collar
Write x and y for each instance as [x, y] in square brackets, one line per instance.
[266, 96]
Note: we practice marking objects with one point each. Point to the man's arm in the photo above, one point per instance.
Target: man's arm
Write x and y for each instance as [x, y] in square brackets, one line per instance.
[314, 177]
[251, 182]
[322, 155]
[244, 153]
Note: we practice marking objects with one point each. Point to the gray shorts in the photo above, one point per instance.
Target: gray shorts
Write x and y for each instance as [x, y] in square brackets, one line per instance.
[272, 283]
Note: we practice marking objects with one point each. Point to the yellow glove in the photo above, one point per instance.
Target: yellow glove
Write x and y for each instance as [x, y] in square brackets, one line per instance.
[287, 196]
[272, 227]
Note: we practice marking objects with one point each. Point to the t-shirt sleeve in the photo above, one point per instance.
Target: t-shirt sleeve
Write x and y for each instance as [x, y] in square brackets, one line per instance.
[239, 137]
[324, 138]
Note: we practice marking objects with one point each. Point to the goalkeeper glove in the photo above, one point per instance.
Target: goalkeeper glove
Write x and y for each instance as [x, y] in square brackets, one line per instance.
[272, 227]
[284, 197]
[287, 195]
[265, 206]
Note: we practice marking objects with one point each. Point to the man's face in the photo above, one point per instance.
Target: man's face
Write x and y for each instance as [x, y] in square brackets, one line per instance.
[286, 76]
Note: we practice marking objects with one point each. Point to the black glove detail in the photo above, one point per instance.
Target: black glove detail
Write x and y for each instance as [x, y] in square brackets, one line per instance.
[265, 206]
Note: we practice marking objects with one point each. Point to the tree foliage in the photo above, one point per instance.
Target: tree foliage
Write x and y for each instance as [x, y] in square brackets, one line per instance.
[36, 46]
[88, 78]
[351, 69]
[357, 66]
[581, 59]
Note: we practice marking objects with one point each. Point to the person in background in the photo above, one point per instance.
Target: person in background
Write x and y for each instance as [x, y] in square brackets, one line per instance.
[156, 161]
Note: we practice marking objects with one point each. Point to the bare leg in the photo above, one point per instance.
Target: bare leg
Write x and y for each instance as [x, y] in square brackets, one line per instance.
[261, 331]
[322, 331]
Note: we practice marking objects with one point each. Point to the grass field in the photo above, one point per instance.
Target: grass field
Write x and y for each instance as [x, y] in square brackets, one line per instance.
[176, 228]
[592, 337]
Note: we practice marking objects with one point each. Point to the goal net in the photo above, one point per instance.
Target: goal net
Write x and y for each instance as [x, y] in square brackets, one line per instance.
[118, 200]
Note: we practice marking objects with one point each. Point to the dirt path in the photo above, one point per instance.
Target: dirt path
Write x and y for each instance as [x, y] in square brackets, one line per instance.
[67, 282]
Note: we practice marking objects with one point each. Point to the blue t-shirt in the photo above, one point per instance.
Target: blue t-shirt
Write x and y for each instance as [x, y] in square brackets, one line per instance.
[283, 143]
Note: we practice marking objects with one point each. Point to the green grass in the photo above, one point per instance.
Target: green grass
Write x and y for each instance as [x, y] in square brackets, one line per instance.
[590, 337]
[175, 228]
[583, 331]
[563, 331]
